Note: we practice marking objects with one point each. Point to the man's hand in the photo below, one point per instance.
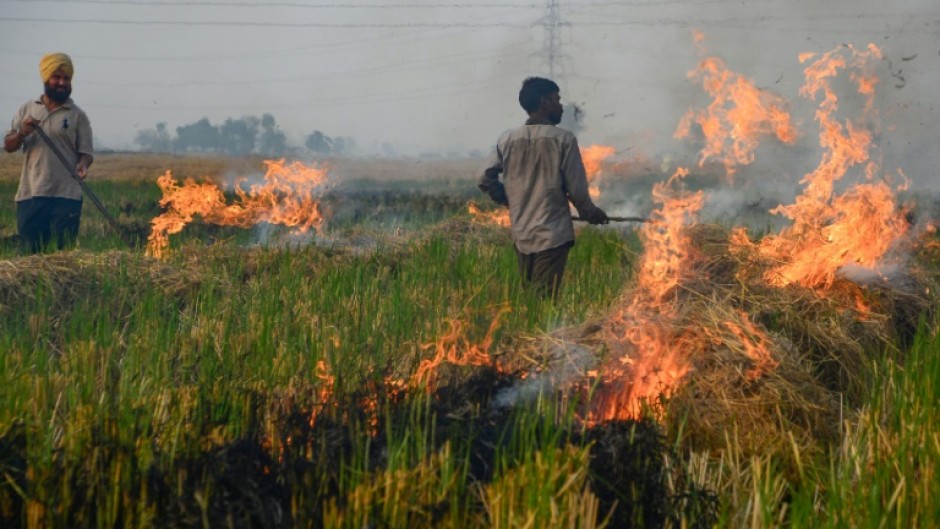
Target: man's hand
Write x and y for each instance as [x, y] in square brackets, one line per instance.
[15, 139]
[597, 216]
[27, 127]
[84, 162]
[496, 191]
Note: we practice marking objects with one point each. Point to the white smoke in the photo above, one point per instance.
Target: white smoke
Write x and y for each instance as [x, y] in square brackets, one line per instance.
[573, 362]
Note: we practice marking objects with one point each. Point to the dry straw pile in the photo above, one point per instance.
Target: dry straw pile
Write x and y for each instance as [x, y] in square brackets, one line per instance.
[66, 277]
[822, 347]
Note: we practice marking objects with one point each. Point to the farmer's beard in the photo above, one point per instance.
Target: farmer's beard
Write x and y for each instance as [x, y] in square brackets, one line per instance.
[58, 94]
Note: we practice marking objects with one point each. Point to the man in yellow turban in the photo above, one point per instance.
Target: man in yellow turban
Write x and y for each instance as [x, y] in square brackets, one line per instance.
[49, 199]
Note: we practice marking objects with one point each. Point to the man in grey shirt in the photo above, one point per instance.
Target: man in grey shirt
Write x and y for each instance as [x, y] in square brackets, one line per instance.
[542, 171]
[49, 200]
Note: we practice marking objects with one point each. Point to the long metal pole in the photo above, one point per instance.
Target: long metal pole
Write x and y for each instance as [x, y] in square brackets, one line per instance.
[618, 219]
[87, 190]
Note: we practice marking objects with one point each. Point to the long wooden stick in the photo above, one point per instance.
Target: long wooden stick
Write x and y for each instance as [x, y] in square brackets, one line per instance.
[87, 190]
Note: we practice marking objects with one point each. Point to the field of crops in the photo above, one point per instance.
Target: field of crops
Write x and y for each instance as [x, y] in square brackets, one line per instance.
[391, 371]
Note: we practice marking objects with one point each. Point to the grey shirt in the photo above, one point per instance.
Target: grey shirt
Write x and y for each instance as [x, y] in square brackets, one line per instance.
[542, 171]
[43, 174]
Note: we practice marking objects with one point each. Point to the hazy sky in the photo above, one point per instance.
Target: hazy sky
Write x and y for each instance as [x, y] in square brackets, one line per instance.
[429, 75]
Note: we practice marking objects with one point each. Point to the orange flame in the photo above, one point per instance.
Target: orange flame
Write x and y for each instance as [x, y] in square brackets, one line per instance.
[830, 232]
[657, 360]
[862, 306]
[593, 156]
[390, 388]
[655, 368]
[289, 196]
[858, 227]
[498, 216]
[667, 247]
[739, 115]
[455, 348]
[755, 343]
[325, 393]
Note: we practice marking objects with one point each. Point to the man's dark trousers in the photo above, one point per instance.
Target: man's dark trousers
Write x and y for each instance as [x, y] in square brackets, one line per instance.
[42, 220]
[543, 270]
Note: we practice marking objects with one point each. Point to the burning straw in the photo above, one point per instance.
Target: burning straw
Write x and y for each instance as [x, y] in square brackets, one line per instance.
[289, 196]
[768, 341]
[729, 354]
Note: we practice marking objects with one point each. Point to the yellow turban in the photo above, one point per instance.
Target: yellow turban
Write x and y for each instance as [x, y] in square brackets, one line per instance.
[52, 62]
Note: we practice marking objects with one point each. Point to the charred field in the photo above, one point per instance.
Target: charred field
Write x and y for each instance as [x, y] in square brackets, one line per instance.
[390, 371]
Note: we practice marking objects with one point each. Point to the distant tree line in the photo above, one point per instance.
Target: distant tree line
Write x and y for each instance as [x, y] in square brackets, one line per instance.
[242, 136]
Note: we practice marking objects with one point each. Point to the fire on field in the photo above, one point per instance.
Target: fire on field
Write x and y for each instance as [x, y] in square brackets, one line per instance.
[405, 381]
[773, 336]
[276, 447]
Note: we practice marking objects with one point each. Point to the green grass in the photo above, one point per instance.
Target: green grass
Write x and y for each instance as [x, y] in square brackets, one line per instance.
[113, 384]
[886, 473]
[191, 393]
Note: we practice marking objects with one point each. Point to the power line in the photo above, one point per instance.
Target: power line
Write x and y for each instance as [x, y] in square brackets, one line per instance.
[369, 98]
[659, 3]
[419, 64]
[198, 23]
[349, 5]
[634, 21]
[420, 35]
[603, 18]
[186, 3]
[403, 37]
[442, 61]
[763, 25]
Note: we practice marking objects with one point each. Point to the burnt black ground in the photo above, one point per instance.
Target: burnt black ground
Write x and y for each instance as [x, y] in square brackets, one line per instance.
[239, 484]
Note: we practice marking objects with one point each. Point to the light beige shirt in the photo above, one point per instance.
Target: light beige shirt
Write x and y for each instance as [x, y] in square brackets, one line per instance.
[542, 171]
[43, 174]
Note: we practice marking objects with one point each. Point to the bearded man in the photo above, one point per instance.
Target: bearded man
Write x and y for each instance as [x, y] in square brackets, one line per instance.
[49, 199]
[542, 171]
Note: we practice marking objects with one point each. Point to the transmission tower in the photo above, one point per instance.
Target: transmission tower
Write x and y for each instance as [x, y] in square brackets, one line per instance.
[554, 59]
[552, 53]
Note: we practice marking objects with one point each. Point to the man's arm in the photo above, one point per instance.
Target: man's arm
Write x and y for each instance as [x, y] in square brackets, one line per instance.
[489, 181]
[15, 138]
[12, 141]
[576, 185]
[21, 130]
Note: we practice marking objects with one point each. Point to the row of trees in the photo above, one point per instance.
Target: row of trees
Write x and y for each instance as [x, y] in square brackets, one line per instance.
[247, 135]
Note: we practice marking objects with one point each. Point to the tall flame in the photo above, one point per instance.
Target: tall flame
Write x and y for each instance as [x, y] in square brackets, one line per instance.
[656, 358]
[738, 117]
[857, 227]
[667, 248]
[289, 196]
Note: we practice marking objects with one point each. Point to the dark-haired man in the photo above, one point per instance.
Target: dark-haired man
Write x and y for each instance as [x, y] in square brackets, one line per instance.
[542, 171]
[49, 200]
